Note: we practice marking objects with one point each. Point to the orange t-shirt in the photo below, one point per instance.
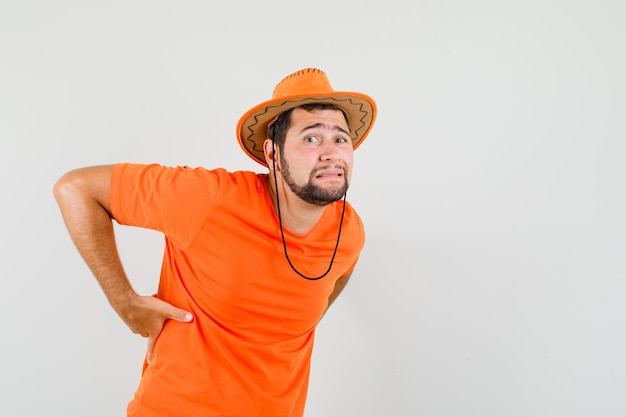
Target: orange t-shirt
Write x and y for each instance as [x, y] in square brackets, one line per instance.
[247, 352]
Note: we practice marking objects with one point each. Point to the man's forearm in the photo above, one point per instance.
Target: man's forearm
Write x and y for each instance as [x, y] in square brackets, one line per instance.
[89, 224]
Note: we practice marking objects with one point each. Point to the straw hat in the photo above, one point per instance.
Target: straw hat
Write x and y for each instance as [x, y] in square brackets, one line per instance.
[309, 85]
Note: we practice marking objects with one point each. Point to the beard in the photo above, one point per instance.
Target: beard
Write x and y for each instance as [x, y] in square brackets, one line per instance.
[312, 193]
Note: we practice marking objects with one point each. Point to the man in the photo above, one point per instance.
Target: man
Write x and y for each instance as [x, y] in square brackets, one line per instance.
[252, 261]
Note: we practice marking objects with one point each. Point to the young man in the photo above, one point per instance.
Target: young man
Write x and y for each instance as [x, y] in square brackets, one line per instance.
[252, 261]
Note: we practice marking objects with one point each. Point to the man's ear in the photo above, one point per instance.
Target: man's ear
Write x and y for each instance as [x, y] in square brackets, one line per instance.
[268, 151]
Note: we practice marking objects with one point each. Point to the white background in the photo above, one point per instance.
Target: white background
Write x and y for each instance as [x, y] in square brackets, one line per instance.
[492, 186]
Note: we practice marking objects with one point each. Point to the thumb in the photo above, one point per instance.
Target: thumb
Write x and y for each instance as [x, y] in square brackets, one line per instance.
[150, 348]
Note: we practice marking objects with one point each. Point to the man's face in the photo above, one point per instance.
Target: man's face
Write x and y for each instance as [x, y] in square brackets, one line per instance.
[316, 159]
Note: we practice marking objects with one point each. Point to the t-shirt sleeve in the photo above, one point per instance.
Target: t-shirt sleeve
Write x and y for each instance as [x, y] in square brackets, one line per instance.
[172, 200]
[357, 230]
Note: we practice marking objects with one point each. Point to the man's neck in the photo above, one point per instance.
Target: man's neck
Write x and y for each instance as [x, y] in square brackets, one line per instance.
[296, 215]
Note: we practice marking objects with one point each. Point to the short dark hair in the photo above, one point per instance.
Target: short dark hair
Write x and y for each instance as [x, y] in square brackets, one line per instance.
[278, 130]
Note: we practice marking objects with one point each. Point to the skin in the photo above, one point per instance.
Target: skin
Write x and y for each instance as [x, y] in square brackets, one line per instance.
[318, 150]
[314, 143]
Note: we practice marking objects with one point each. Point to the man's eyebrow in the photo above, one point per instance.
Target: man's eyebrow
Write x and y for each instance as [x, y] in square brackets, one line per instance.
[316, 125]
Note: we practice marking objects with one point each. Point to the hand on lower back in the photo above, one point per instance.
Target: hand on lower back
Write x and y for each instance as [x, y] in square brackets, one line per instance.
[146, 315]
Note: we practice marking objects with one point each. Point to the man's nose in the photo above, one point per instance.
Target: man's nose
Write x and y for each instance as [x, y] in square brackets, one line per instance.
[330, 152]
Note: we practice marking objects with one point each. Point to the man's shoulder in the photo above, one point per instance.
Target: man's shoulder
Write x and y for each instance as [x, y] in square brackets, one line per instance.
[186, 176]
[237, 178]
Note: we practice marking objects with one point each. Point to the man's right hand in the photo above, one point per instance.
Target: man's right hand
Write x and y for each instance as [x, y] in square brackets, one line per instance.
[146, 315]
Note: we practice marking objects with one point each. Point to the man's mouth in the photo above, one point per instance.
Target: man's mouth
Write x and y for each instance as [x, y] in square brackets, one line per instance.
[330, 173]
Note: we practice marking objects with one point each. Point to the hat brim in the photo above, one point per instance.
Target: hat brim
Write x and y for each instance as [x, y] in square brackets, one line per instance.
[252, 126]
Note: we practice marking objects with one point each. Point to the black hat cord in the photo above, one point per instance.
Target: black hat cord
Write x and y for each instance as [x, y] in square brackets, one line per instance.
[282, 233]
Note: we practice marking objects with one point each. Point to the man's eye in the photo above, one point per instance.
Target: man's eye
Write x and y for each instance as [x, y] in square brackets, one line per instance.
[341, 140]
[310, 139]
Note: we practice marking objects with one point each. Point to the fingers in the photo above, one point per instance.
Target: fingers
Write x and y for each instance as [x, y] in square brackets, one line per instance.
[180, 315]
[170, 312]
[148, 317]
